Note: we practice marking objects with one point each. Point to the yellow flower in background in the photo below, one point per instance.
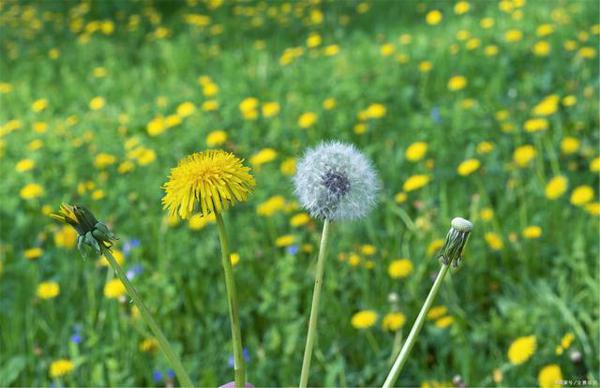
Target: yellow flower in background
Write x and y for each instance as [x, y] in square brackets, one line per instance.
[33, 253]
[375, 111]
[48, 290]
[393, 321]
[550, 376]
[400, 197]
[364, 319]
[587, 52]
[368, 250]
[210, 89]
[313, 40]
[331, 50]
[216, 138]
[541, 48]
[556, 187]
[461, 7]
[468, 167]
[288, 167]
[285, 241]
[104, 160]
[117, 254]
[97, 103]
[523, 155]
[186, 109]
[210, 105]
[156, 126]
[24, 165]
[544, 30]
[65, 237]
[234, 257]
[434, 246]
[148, 345]
[60, 368]
[566, 340]
[444, 322]
[208, 182]
[548, 106]
[437, 312]
[172, 121]
[494, 241]
[99, 72]
[299, 219]
[198, 222]
[535, 125]
[271, 206]
[39, 105]
[433, 18]
[114, 289]
[425, 66]
[5, 87]
[485, 147]
[486, 214]
[513, 35]
[569, 100]
[486, 23]
[270, 109]
[595, 164]
[263, 156]
[457, 82]
[416, 151]
[582, 195]
[399, 269]
[307, 120]
[329, 103]
[387, 49]
[415, 182]
[569, 145]
[521, 349]
[532, 232]
[31, 191]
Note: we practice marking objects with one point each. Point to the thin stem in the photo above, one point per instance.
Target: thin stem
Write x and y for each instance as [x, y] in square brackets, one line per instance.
[414, 331]
[314, 309]
[183, 377]
[236, 334]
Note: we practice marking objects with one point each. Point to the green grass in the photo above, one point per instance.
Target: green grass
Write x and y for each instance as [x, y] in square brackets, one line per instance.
[545, 287]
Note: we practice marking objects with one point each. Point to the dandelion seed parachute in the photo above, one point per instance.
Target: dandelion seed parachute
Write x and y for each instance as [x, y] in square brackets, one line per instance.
[335, 181]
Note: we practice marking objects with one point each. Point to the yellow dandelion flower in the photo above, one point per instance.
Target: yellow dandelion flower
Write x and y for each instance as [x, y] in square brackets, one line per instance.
[285, 240]
[270, 109]
[313, 40]
[117, 254]
[425, 66]
[521, 349]
[513, 35]
[485, 147]
[210, 105]
[198, 222]
[104, 160]
[433, 17]
[216, 138]
[437, 312]
[582, 195]
[234, 258]
[544, 30]
[375, 111]
[556, 187]
[457, 82]
[331, 50]
[494, 241]
[400, 197]
[535, 125]
[550, 376]
[468, 167]
[24, 165]
[329, 103]
[541, 48]
[491, 50]
[208, 181]
[271, 206]
[387, 49]
[31, 191]
[415, 182]
[434, 246]
[307, 120]
[60, 368]
[532, 232]
[486, 214]
[546, 107]
[114, 289]
[364, 319]
[288, 167]
[148, 345]
[566, 340]
[65, 237]
[444, 322]
[97, 103]
[47, 290]
[39, 105]
[263, 156]
[209, 89]
[569, 145]
[399, 269]
[33, 253]
[299, 219]
[416, 151]
[569, 100]
[368, 250]
[186, 109]
[393, 321]
[156, 126]
[523, 155]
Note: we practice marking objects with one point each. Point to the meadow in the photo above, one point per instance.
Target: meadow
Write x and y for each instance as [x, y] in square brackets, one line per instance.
[483, 109]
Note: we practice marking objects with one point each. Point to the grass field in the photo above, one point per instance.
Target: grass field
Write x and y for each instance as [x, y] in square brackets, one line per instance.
[486, 110]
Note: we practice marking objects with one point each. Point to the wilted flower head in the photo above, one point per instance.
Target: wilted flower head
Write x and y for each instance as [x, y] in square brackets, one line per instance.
[334, 181]
[91, 232]
[208, 182]
[456, 239]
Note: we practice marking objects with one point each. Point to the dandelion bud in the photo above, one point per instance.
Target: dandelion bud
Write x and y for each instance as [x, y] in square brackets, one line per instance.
[393, 298]
[575, 356]
[456, 239]
[334, 181]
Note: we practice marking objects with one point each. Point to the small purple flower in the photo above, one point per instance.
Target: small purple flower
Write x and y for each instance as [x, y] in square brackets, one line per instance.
[134, 271]
[231, 384]
[292, 250]
[245, 353]
[157, 376]
[171, 374]
[129, 245]
[76, 338]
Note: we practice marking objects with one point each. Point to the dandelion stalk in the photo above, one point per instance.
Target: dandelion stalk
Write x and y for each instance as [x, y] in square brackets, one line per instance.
[183, 377]
[314, 309]
[238, 356]
[451, 254]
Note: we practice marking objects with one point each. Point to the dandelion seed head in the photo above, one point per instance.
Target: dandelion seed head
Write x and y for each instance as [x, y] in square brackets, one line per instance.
[335, 181]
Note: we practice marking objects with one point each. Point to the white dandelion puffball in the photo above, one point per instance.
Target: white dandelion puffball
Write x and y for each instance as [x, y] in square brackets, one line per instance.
[335, 181]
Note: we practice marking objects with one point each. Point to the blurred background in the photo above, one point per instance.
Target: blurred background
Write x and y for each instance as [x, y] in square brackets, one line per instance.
[486, 110]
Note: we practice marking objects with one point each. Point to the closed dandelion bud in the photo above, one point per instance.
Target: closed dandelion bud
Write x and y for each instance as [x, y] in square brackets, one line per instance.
[456, 239]
[335, 182]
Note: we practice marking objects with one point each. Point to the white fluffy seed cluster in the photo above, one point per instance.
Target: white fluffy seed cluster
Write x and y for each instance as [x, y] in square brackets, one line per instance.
[335, 181]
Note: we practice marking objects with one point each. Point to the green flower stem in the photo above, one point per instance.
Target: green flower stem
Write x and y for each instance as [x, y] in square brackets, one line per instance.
[314, 309]
[238, 356]
[183, 377]
[414, 331]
